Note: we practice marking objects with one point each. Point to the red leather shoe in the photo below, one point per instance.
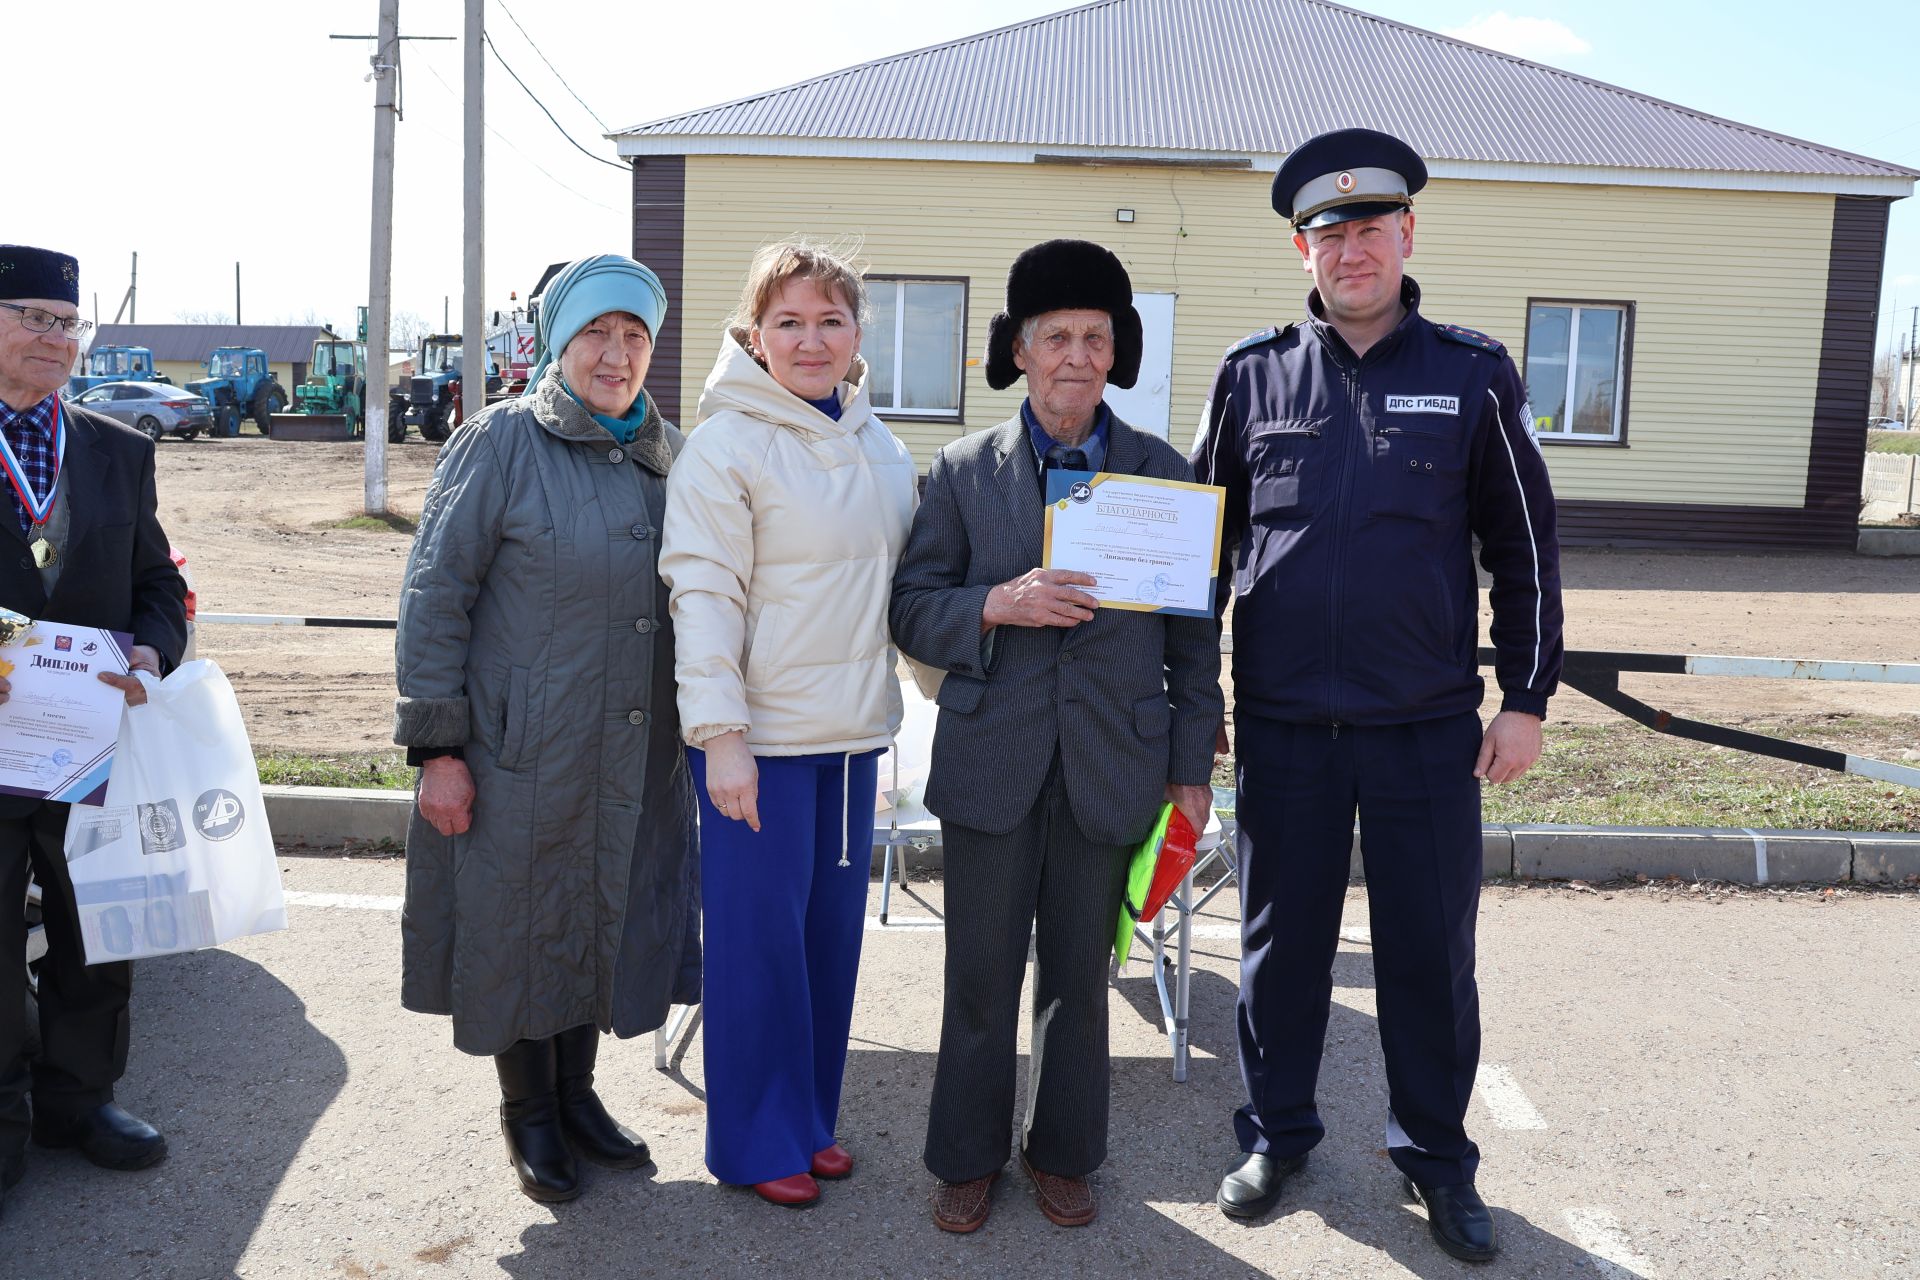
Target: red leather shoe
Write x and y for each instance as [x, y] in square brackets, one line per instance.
[834, 1162]
[798, 1191]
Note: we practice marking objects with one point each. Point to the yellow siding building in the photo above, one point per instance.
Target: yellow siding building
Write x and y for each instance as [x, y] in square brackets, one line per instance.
[1700, 296]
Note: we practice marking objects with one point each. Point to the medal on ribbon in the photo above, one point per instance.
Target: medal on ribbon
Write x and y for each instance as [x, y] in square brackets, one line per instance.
[38, 508]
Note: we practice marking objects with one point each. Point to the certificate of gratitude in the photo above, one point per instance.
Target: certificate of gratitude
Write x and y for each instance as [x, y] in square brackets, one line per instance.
[59, 724]
[1151, 545]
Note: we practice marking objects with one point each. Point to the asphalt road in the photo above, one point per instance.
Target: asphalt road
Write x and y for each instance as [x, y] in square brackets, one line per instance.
[1676, 1086]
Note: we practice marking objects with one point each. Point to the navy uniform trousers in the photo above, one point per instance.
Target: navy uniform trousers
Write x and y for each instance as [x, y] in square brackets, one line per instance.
[1419, 807]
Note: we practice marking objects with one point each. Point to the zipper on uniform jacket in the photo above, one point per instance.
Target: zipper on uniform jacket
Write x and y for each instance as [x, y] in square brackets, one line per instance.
[1336, 559]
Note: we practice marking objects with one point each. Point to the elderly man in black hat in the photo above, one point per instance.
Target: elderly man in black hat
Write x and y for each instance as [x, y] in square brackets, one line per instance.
[1363, 451]
[1063, 729]
[81, 544]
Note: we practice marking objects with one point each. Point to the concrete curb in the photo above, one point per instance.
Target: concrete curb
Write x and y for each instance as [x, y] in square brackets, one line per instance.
[320, 816]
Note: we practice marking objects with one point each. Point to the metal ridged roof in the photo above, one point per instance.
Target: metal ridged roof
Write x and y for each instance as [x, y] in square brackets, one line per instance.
[1252, 77]
[283, 343]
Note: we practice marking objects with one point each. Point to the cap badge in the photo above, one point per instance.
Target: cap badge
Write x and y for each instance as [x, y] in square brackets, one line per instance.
[1344, 182]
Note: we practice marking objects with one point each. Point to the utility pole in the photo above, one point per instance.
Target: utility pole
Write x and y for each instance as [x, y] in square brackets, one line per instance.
[1913, 340]
[386, 80]
[473, 355]
[236, 295]
[386, 113]
[126, 299]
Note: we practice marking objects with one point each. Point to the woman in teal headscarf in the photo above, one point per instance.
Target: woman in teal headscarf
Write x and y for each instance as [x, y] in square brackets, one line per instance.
[552, 860]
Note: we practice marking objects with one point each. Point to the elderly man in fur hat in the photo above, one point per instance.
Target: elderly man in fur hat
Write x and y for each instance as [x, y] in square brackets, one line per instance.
[1063, 728]
[79, 543]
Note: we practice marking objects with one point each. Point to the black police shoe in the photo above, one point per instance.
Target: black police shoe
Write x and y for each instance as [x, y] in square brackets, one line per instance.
[107, 1135]
[1253, 1184]
[1458, 1220]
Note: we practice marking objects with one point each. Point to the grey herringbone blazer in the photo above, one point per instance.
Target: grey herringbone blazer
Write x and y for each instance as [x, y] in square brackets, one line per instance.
[1131, 700]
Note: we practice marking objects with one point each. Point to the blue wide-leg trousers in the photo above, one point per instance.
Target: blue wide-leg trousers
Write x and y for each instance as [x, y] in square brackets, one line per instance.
[782, 926]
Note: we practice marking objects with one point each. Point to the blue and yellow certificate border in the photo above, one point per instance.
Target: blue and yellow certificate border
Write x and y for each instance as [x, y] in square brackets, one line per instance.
[1060, 484]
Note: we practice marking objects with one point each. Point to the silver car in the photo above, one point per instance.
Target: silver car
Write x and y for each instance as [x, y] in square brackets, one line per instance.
[155, 409]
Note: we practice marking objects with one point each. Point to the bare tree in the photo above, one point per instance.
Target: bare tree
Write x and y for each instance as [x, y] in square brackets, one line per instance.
[1885, 396]
[204, 317]
[407, 330]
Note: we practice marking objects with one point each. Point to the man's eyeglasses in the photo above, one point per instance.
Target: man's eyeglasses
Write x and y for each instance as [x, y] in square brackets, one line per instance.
[38, 321]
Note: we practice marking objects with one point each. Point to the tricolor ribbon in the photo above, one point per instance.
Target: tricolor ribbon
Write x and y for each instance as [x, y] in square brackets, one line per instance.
[38, 508]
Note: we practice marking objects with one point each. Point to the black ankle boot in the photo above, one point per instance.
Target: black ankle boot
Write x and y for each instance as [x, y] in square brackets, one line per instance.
[592, 1132]
[530, 1119]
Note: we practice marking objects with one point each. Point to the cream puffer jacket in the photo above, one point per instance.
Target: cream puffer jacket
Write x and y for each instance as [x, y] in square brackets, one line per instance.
[782, 531]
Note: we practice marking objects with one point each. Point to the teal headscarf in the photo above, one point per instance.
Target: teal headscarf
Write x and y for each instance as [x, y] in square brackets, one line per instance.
[582, 293]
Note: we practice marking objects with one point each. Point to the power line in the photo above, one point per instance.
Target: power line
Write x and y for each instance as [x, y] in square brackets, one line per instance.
[556, 71]
[543, 108]
[511, 146]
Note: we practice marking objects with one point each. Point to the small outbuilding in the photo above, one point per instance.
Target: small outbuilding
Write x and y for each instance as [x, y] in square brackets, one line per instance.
[1692, 300]
[180, 350]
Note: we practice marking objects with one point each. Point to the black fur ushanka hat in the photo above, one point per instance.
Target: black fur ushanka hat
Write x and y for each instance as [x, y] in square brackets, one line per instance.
[1065, 275]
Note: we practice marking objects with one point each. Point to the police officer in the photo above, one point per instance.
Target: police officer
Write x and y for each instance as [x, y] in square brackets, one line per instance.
[1363, 451]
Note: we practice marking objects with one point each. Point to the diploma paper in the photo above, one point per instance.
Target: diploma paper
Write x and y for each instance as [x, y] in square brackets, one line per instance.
[59, 724]
[1151, 545]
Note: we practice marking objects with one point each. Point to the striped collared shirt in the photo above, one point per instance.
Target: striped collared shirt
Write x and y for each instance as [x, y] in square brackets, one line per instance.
[29, 434]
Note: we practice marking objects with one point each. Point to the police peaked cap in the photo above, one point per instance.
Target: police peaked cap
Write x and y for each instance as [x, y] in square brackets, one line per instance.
[1065, 275]
[26, 272]
[1346, 175]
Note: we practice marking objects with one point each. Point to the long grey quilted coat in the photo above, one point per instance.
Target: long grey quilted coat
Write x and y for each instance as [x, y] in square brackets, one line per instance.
[535, 634]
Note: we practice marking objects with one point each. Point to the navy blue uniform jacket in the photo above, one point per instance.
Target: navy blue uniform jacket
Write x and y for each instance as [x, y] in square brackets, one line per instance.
[1355, 488]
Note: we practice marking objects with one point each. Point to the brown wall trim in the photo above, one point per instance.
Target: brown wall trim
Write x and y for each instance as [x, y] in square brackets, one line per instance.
[1700, 526]
[660, 241]
[1843, 386]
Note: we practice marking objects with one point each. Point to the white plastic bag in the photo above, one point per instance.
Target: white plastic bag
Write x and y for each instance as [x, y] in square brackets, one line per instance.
[179, 857]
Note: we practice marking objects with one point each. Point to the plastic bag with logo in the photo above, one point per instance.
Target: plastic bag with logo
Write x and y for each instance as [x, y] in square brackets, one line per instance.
[179, 857]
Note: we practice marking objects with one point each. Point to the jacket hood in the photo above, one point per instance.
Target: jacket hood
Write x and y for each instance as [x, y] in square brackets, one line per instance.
[555, 409]
[741, 384]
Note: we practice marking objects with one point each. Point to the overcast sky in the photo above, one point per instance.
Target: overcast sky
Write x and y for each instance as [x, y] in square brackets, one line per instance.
[206, 132]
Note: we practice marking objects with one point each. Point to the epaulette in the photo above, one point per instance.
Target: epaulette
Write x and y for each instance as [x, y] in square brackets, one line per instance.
[1269, 334]
[1469, 338]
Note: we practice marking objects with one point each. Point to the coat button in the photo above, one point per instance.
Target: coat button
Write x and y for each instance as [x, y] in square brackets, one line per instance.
[1066, 657]
[640, 532]
[636, 717]
[643, 626]
[616, 456]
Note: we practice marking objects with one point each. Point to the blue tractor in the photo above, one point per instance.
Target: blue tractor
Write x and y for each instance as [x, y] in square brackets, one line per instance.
[239, 384]
[115, 364]
[429, 399]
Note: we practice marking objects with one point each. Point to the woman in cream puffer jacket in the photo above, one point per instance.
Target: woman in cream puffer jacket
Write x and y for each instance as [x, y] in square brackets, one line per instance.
[789, 509]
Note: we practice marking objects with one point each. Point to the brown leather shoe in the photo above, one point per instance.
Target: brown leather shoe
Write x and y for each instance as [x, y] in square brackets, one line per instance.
[1067, 1202]
[961, 1207]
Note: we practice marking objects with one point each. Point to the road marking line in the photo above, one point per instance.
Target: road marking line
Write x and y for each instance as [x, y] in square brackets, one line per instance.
[1600, 1234]
[1505, 1100]
[349, 901]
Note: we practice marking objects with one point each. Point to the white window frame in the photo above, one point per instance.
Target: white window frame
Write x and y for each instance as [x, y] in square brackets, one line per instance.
[898, 284]
[1559, 434]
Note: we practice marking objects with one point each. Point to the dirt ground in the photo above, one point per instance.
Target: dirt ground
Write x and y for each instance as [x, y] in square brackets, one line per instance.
[258, 520]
